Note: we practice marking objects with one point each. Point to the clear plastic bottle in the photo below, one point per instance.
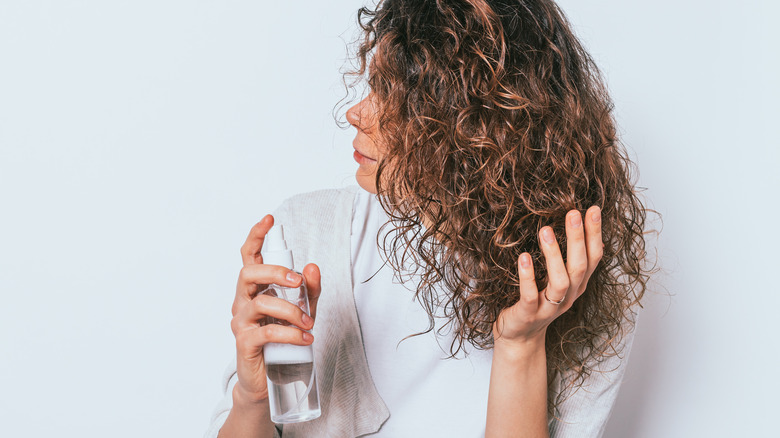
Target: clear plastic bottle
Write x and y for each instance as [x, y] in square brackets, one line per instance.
[292, 381]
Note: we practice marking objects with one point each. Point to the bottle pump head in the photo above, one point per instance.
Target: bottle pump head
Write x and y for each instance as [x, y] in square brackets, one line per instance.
[276, 252]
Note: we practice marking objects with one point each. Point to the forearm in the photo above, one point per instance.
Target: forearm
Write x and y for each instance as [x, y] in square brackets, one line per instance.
[517, 398]
[247, 419]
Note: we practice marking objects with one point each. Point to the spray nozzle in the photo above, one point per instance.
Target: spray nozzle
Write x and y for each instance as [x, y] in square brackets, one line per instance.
[274, 239]
[276, 251]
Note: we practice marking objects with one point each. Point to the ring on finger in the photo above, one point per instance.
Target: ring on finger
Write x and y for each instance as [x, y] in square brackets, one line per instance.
[551, 301]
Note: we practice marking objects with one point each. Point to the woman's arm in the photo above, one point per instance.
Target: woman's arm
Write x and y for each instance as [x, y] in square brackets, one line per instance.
[229, 414]
[517, 398]
[248, 418]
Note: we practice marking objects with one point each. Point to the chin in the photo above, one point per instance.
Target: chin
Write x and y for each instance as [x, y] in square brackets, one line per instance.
[367, 182]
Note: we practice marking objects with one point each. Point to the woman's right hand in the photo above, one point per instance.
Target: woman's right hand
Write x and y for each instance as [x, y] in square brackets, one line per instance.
[251, 313]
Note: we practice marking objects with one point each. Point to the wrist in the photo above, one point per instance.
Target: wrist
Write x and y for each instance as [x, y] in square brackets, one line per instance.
[520, 349]
[245, 399]
[248, 416]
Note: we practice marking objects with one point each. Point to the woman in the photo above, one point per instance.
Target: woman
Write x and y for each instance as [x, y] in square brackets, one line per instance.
[486, 139]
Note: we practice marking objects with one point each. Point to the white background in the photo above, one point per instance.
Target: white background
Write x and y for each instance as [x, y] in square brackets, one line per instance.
[140, 140]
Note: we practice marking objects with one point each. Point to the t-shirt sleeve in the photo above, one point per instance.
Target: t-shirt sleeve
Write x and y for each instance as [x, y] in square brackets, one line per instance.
[221, 411]
[584, 412]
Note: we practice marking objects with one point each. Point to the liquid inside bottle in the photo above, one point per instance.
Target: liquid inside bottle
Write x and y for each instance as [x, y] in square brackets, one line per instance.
[292, 392]
[292, 381]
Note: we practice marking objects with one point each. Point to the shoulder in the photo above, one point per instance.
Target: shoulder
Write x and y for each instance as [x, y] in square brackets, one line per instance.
[325, 195]
[317, 203]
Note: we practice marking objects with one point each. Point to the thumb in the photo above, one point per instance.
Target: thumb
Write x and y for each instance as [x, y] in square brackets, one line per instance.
[312, 274]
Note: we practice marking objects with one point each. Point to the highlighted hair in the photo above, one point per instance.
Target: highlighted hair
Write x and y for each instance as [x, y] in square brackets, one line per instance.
[497, 122]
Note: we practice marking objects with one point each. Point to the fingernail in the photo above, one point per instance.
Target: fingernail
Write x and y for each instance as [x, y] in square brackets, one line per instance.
[525, 260]
[306, 320]
[575, 220]
[293, 277]
[548, 235]
[307, 337]
[596, 217]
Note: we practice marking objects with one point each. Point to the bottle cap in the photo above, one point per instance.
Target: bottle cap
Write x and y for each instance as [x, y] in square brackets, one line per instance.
[276, 252]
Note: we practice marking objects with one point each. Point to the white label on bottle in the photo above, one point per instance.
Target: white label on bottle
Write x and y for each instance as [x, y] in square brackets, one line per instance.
[287, 353]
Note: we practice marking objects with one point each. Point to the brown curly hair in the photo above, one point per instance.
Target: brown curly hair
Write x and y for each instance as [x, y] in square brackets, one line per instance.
[497, 123]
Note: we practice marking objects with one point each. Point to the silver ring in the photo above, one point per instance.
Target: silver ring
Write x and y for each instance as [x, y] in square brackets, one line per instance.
[551, 301]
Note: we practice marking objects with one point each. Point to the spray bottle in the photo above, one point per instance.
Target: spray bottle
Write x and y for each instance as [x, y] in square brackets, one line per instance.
[292, 383]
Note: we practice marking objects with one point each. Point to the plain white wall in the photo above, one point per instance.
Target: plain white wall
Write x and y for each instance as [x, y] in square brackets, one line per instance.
[140, 140]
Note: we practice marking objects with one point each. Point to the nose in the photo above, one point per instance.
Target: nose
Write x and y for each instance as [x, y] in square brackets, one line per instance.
[358, 116]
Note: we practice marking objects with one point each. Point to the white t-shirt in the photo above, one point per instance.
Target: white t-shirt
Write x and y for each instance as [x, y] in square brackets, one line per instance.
[426, 393]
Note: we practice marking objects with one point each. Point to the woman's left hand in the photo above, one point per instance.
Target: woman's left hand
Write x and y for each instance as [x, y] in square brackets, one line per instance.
[526, 321]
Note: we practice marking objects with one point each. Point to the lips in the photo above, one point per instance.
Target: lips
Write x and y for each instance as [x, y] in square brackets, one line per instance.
[363, 155]
[362, 159]
[359, 156]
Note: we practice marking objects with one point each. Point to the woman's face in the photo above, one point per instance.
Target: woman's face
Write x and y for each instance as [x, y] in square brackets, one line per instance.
[367, 148]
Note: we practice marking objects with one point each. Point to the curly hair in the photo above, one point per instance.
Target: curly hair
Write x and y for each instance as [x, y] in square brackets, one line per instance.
[497, 122]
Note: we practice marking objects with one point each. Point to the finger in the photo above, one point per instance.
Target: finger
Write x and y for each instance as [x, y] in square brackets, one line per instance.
[593, 242]
[526, 307]
[253, 276]
[529, 293]
[576, 253]
[250, 342]
[311, 274]
[263, 307]
[558, 278]
[250, 250]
